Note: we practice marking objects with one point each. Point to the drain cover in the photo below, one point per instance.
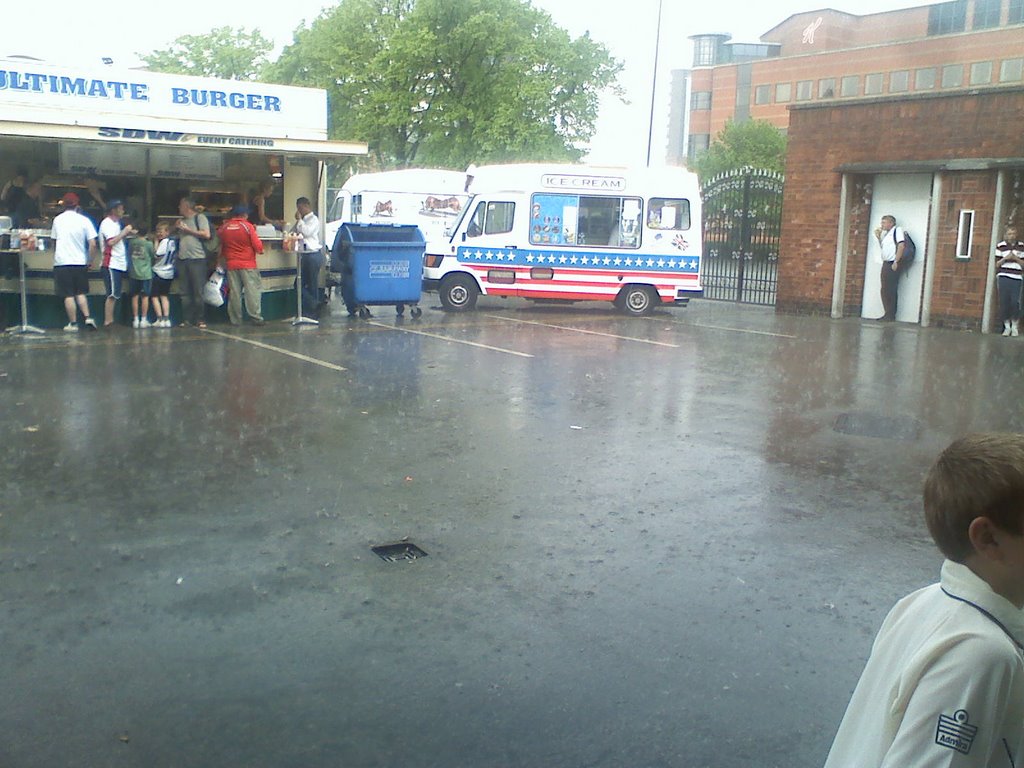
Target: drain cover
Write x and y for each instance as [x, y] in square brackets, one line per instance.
[880, 425]
[403, 551]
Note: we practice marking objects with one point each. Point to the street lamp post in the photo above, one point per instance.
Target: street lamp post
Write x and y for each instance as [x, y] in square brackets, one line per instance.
[654, 85]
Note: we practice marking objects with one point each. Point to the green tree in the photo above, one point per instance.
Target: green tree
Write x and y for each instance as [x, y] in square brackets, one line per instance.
[230, 54]
[449, 82]
[756, 143]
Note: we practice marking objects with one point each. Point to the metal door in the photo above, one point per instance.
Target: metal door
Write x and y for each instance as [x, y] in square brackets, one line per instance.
[742, 221]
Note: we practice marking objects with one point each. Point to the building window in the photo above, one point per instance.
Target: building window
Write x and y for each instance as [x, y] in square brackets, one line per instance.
[698, 143]
[700, 100]
[981, 73]
[873, 84]
[704, 48]
[783, 92]
[850, 86]
[986, 13]
[763, 94]
[899, 81]
[924, 79]
[804, 90]
[1011, 71]
[965, 235]
[952, 75]
[946, 18]
[827, 88]
[1016, 15]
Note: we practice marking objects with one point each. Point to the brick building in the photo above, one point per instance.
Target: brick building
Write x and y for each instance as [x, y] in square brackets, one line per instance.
[948, 164]
[827, 55]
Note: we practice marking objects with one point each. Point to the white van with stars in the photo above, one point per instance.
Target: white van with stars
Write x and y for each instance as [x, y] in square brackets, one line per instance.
[568, 233]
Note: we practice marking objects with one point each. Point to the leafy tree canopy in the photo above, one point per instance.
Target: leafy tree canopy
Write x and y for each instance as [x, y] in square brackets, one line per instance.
[756, 143]
[224, 52]
[449, 82]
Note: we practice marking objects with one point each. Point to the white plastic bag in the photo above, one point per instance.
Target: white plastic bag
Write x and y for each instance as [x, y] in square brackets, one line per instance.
[216, 288]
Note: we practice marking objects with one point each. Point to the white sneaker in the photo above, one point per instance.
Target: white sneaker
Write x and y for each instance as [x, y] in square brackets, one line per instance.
[71, 328]
[144, 323]
[1006, 327]
[166, 322]
[135, 323]
[1013, 328]
[91, 324]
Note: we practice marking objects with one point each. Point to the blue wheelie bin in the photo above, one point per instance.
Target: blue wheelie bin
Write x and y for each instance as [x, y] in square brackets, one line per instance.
[379, 264]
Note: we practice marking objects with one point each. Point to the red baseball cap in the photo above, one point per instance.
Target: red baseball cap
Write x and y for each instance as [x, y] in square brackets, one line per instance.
[70, 200]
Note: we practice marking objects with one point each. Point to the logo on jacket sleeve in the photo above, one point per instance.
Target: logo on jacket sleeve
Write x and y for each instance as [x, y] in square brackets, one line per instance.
[955, 732]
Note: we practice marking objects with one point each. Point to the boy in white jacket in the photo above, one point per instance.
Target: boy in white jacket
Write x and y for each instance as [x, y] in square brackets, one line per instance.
[944, 685]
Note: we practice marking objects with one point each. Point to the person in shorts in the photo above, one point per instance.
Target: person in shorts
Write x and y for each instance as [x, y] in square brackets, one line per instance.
[74, 249]
[115, 256]
[163, 274]
[142, 255]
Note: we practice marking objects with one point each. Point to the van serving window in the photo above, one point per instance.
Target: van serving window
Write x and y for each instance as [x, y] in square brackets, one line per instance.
[668, 213]
[581, 220]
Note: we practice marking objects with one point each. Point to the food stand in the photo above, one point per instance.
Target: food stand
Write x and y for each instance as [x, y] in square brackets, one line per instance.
[148, 139]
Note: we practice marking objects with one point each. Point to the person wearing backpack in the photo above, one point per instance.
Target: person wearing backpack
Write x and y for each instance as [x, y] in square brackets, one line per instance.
[1010, 263]
[891, 239]
[193, 230]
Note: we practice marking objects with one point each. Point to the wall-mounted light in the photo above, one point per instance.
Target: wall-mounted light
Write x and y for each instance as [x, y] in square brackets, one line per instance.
[275, 167]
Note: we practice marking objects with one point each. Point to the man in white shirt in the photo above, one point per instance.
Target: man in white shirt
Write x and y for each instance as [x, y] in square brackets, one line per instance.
[75, 247]
[307, 226]
[115, 256]
[890, 239]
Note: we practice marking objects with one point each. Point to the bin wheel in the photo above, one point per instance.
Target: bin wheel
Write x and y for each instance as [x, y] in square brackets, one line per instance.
[458, 292]
[364, 312]
[399, 309]
[415, 312]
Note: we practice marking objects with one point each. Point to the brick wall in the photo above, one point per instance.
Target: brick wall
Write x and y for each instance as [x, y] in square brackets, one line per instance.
[930, 130]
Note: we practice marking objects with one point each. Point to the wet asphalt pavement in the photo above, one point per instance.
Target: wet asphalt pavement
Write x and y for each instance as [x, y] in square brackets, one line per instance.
[650, 542]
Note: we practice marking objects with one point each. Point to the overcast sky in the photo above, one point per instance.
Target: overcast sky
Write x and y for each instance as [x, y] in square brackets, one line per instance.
[81, 32]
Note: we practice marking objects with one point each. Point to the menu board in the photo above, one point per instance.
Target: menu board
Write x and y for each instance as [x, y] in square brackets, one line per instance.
[95, 159]
[174, 163]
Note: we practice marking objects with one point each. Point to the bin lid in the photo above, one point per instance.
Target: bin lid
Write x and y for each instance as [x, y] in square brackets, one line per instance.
[381, 233]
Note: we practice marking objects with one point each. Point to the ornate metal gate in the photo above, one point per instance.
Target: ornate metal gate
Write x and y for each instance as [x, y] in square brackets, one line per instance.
[742, 220]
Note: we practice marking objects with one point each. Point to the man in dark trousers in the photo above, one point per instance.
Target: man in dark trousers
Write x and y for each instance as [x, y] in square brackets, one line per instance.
[890, 238]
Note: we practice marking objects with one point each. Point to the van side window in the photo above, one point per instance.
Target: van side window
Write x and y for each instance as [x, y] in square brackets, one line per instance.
[668, 213]
[579, 220]
[357, 206]
[491, 219]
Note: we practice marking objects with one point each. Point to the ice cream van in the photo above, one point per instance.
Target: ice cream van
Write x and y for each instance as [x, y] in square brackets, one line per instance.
[568, 233]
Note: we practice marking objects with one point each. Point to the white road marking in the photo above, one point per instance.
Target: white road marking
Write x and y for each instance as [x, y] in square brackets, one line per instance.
[740, 330]
[449, 338]
[261, 345]
[581, 330]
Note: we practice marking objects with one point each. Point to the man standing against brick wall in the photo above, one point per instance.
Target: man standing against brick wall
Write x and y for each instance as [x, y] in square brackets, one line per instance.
[890, 238]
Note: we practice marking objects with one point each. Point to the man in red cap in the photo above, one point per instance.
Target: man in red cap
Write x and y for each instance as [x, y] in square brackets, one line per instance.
[75, 249]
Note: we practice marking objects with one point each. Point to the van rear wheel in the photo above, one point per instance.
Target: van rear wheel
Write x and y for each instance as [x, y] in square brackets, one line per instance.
[637, 300]
[458, 293]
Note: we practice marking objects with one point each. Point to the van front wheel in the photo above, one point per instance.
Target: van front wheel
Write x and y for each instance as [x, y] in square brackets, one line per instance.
[637, 300]
[458, 293]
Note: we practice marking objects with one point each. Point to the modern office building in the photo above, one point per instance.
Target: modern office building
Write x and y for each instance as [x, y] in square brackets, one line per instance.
[829, 55]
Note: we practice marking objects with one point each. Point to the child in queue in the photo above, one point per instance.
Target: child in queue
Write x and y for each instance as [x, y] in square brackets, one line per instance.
[142, 256]
[163, 274]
